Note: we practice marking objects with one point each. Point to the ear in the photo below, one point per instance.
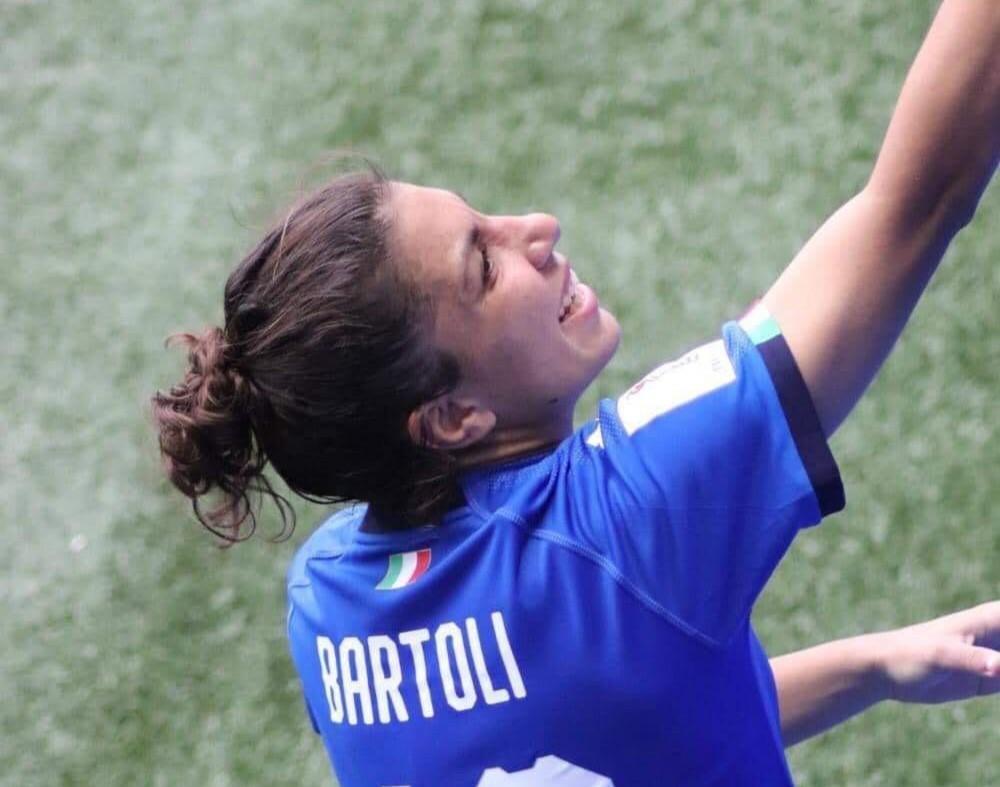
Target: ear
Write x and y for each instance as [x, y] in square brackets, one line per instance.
[448, 423]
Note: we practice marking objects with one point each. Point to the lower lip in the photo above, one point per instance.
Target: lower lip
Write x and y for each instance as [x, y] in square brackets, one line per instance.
[588, 304]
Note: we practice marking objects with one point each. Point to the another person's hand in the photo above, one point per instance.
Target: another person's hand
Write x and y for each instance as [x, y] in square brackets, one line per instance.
[954, 657]
[949, 658]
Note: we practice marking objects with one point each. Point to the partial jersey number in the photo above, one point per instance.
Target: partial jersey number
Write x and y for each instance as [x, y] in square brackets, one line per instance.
[548, 771]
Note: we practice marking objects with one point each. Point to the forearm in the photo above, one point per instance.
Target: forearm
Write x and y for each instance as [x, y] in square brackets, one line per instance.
[848, 293]
[943, 141]
[822, 686]
[953, 657]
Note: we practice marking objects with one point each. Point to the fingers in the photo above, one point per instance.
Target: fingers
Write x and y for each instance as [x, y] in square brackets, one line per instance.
[979, 625]
[983, 623]
[989, 621]
[973, 660]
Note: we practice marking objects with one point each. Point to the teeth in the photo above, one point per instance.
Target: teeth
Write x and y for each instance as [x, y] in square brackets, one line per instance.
[570, 297]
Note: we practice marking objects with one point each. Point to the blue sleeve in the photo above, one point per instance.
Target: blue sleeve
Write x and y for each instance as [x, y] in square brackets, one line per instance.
[309, 712]
[305, 694]
[699, 476]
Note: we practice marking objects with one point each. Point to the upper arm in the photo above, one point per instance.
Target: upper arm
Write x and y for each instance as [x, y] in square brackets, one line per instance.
[846, 296]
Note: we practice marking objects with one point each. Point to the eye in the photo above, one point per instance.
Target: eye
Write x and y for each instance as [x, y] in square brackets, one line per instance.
[488, 267]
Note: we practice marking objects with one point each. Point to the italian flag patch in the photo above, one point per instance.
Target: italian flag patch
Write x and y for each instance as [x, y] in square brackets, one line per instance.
[405, 568]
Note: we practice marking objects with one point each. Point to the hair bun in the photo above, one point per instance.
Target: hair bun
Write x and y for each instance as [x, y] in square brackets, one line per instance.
[205, 433]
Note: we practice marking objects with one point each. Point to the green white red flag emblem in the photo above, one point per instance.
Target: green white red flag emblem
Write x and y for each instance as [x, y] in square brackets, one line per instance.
[405, 568]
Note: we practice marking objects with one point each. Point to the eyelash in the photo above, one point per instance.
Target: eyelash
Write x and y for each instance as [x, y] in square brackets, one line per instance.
[488, 267]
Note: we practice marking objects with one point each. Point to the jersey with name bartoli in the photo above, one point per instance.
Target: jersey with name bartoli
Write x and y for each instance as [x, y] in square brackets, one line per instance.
[583, 621]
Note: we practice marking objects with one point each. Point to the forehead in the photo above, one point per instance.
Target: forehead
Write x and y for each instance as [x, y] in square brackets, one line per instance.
[431, 229]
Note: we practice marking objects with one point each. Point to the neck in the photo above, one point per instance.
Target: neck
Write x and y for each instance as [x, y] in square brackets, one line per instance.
[512, 443]
[501, 446]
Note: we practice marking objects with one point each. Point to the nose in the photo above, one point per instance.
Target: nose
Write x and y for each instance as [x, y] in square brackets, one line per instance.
[541, 232]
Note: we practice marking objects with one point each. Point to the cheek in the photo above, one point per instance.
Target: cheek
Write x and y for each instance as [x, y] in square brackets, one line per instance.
[535, 359]
[519, 344]
[506, 365]
[466, 338]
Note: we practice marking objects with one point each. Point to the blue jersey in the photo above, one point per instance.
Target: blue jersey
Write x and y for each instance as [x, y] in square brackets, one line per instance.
[583, 620]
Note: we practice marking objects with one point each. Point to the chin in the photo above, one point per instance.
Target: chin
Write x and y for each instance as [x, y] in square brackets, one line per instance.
[602, 362]
[614, 339]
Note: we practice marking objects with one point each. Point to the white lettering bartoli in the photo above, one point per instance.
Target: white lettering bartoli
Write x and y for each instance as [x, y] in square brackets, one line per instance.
[362, 679]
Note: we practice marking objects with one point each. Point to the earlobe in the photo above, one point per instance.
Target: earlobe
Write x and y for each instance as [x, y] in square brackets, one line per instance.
[449, 424]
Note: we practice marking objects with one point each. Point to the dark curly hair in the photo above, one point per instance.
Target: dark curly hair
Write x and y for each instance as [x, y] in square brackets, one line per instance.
[323, 355]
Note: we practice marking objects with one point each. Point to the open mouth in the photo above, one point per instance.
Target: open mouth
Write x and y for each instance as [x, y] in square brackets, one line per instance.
[571, 300]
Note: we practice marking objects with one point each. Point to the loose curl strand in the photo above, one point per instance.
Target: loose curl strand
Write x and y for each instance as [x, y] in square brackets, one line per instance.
[206, 440]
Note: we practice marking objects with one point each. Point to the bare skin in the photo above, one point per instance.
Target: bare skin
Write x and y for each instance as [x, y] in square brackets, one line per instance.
[498, 284]
[954, 657]
[841, 304]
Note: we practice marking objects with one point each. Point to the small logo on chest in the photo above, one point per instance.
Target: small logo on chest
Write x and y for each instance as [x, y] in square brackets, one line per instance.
[405, 568]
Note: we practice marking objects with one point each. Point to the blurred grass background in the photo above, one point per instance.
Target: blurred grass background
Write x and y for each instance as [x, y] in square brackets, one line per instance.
[688, 149]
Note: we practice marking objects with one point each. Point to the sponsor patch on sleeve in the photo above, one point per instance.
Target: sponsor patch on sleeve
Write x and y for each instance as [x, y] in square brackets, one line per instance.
[667, 387]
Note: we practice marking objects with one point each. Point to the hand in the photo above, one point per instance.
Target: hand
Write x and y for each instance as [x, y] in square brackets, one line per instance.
[950, 658]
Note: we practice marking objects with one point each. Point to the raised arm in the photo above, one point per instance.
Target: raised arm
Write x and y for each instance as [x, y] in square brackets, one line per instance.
[951, 658]
[846, 296]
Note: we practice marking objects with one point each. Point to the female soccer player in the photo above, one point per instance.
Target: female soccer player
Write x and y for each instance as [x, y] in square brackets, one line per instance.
[515, 602]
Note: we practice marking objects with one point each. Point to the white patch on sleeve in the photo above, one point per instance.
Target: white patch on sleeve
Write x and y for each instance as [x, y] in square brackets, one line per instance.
[691, 376]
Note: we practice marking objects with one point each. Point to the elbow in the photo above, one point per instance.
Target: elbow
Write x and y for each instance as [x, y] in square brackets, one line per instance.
[961, 199]
[959, 207]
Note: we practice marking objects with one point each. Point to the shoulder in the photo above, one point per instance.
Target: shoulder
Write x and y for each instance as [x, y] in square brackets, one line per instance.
[712, 366]
[331, 540]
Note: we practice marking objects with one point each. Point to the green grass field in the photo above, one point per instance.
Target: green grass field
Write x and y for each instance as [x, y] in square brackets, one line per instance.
[688, 148]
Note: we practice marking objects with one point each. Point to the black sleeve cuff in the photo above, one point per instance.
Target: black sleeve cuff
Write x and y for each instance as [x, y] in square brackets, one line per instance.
[803, 421]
